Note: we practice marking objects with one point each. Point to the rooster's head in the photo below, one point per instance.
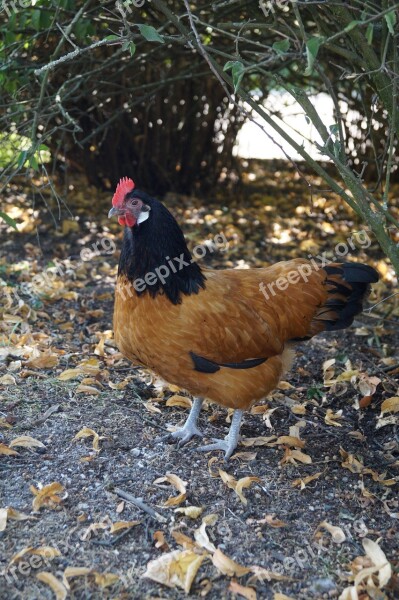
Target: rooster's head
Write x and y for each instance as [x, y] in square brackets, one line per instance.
[127, 204]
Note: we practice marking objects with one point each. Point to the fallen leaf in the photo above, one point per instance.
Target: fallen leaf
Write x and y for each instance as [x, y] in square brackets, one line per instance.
[160, 541]
[46, 551]
[240, 590]
[105, 580]
[57, 586]
[332, 418]
[27, 442]
[192, 512]
[270, 520]
[6, 451]
[202, 539]
[47, 496]
[302, 482]
[181, 401]
[175, 569]
[390, 405]
[86, 432]
[8, 380]
[118, 525]
[45, 360]
[87, 389]
[11, 513]
[228, 566]
[179, 484]
[259, 441]
[337, 533]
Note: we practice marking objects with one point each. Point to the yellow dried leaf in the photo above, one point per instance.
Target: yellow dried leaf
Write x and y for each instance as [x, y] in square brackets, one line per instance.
[270, 520]
[45, 360]
[89, 366]
[118, 525]
[105, 580]
[228, 566]
[243, 483]
[243, 591]
[259, 441]
[47, 496]
[183, 540]
[262, 574]
[7, 380]
[202, 539]
[390, 405]
[337, 533]
[26, 441]
[46, 551]
[69, 374]
[87, 389]
[291, 456]
[289, 440]
[86, 432]
[175, 569]
[332, 418]
[378, 558]
[11, 513]
[151, 407]
[302, 482]
[6, 451]
[57, 586]
[181, 401]
[179, 484]
[192, 512]
[160, 541]
[119, 386]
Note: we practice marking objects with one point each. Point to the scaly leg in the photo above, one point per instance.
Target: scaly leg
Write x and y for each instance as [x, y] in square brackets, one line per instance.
[229, 444]
[189, 429]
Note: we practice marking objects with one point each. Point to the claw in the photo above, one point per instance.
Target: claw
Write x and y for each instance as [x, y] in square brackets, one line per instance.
[227, 446]
[230, 442]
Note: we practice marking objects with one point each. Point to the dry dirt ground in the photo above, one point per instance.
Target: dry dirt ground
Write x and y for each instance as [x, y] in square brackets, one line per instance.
[60, 373]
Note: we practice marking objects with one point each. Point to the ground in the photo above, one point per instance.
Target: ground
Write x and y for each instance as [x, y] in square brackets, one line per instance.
[321, 452]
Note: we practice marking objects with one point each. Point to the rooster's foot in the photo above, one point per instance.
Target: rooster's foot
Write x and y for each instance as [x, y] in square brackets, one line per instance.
[189, 429]
[230, 442]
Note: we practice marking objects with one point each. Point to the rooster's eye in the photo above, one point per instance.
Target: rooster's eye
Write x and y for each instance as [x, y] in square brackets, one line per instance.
[135, 202]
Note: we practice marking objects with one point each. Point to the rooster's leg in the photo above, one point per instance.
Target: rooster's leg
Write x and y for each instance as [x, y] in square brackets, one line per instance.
[189, 428]
[229, 444]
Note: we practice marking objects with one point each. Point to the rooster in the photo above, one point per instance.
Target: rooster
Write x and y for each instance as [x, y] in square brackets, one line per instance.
[224, 335]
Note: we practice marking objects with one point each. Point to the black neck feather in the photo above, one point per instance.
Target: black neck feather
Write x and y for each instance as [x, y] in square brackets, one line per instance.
[155, 257]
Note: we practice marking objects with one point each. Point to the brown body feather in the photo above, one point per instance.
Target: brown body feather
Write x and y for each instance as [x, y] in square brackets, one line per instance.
[229, 321]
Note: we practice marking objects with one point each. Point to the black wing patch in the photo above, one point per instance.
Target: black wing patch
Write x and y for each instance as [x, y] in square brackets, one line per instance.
[203, 365]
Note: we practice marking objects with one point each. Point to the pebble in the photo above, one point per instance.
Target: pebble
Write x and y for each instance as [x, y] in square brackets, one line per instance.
[135, 452]
[322, 586]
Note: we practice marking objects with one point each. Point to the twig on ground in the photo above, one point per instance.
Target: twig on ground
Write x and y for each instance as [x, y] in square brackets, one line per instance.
[140, 504]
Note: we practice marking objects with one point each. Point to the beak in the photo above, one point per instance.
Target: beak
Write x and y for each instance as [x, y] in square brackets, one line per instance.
[115, 211]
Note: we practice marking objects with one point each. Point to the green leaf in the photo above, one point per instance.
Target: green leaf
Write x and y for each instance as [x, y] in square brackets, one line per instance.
[351, 26]
[237, 72]
[33, 163]
[132, 48]
[391, 21]
[369, 33]
[113, 38]
[312, 49]
[8, 220]
[282, 46]
[150, 34]
[22, 158]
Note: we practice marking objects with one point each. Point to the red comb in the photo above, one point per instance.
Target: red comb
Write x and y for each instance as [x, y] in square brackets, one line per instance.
[125, 186]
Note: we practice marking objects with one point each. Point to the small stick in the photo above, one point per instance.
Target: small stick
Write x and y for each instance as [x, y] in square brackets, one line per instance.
[140, 504]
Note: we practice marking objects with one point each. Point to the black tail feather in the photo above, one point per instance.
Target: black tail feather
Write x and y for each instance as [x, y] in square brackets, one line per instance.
[349, 285]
